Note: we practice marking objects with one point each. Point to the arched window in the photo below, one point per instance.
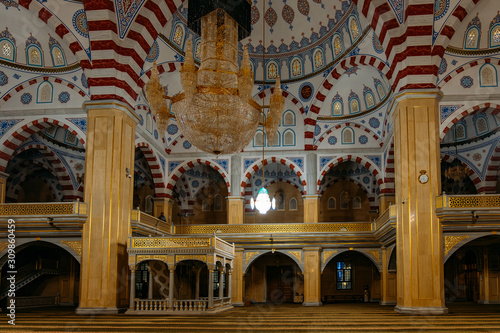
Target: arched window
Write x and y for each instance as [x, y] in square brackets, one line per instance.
[272, 70]
[218, 203]
[337, 46]
[44, 92]
[258, 140]
[197, 49]
[337, 108]
[354, 105]
[289, 138]
[289, 118]
[332, 203]
[459, 132]
[354, 28]
[380, 91]
[178, 35]
[473, 34]
[57, 56]
[369, 100]
[481, 125]
[488, 76]
[296, 68]
[292, 204]
[35, 57]
[7, 50]
[205, 206]
[495, 36]
[348, 136]
[344, 200]
[280, 201]
[276, 140]
[149, 204]
[356, 203]
[318, 59]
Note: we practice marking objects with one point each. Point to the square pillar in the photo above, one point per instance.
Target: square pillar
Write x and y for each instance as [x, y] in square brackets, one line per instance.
[3, 186]
[235, 209]
[419, 238]
[311, 208]
[237, 282]
[312, 276]
[109, 160]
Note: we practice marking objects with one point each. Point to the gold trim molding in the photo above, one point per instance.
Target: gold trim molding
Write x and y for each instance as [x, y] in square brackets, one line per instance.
[75, 245]
[3, 246]
[296, 254]
[249, 256]
[327, 254]
[451, 241]
[374, 253]
[180, 257]
[138, 243]
[479, 201]
[273, 228]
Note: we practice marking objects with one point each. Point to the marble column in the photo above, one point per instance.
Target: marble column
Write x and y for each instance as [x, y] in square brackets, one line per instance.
[419, 237]
[132, 289]
[109, 160]
[171, 286]
[210, 288]
[237, 284]
[312, 276]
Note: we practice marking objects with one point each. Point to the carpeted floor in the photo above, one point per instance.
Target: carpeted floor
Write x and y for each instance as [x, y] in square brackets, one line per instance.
[267, 318]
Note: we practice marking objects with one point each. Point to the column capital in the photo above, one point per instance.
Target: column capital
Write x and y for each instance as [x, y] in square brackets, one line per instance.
[111, 104]
[171, 267]
[4, 175]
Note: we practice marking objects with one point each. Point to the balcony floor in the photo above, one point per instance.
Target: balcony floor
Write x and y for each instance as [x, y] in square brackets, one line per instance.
[462, 317]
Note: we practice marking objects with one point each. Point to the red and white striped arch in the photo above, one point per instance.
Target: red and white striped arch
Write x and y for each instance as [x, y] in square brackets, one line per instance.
[19, 133]
[54, 23]
[326, 86]
[114, 72]
[70, 193]
[257, 165]
[362, 160]
[268, 92]
[337, 127]
[389, 185]
[182, 168]
[465, 67]
[482, 186]
[155, 167]
[458, 115]
[490, 179]
[24, 167]
[39, 80]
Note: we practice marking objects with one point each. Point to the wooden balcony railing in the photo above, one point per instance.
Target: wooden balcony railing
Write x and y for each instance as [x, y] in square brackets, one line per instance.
[146, 224]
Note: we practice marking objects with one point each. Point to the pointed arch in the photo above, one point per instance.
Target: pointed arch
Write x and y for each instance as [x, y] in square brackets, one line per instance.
[155, 166]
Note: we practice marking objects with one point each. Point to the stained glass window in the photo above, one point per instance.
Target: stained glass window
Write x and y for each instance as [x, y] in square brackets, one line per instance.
[272, 71]
[292, 204]
[481, 125]
[354, 106]
[44, 93]
[318, 59]
[472, 39]
[496, 36]
[178, 35]
[460, 132]
[296, 68]
[380, 90]
[280, 201]
[348, 136]
[289, 138]
[34, 57]
[356, 203]
[218, 203]
[337, 47]
[7, 49]
[197, 50]
[58, 57]
[354, 28]
[332, 203]
[344, 275]
[337, 109]
[369, 101]
[289, 119]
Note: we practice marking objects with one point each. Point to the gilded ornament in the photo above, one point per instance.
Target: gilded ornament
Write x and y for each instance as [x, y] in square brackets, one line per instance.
[374, 253]
[482, 201]
[142, 258]
[163, 258]
[274, 228]
[327, 254]
[451, 241]
[170, 242]
[250, 255]
[296, 254]
[75, 245]
[180, 257]
[3, 246]
[36, 209]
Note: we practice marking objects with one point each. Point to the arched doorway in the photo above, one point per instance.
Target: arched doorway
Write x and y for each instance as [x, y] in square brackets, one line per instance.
[349, 277]
[471, 273]
[46, 275]
[274, 277]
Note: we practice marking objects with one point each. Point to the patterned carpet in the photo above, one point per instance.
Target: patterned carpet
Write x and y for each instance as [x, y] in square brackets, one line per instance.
[268, 318]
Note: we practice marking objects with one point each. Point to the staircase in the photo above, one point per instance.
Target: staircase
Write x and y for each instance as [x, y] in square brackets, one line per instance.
[24, 276]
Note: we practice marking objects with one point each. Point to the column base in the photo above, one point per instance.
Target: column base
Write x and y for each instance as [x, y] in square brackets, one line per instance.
[238, 304]
[388, 303]
[99, 311]
[312, 304]
[421, 310]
